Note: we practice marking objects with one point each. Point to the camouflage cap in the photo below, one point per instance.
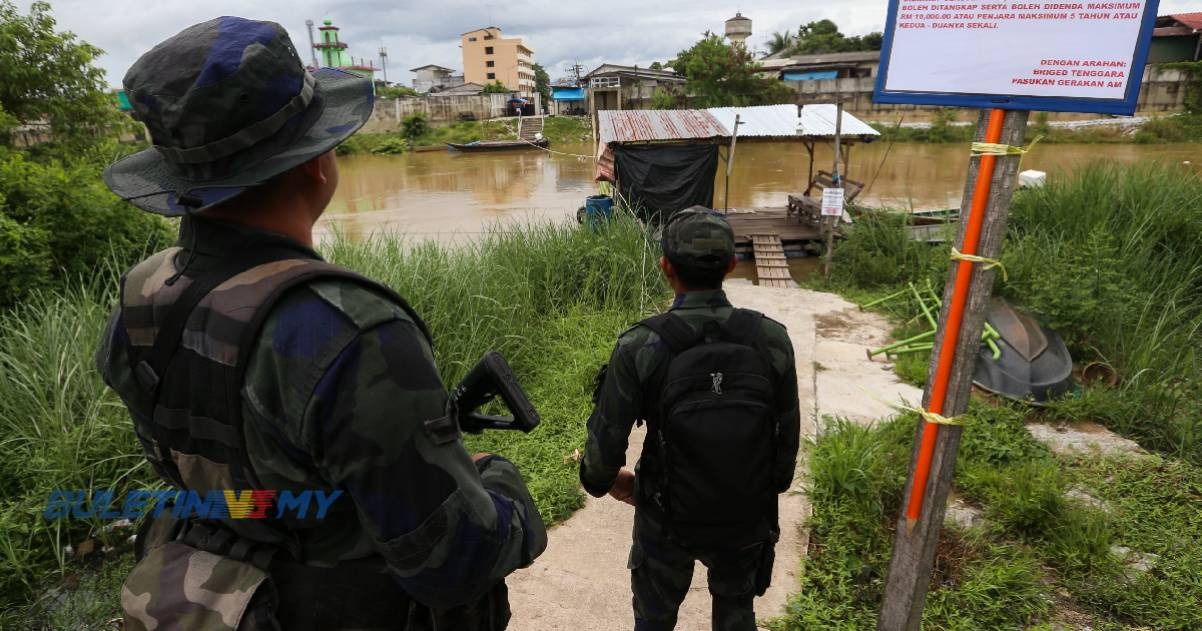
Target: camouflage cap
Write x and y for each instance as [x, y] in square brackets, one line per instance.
[229, 104]
[698, 237]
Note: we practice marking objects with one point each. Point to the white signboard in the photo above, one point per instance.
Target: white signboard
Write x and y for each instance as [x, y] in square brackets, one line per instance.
[1091, 53]
[832, 202]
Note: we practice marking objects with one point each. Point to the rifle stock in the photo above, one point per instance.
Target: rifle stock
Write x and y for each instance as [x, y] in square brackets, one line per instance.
[489, 378]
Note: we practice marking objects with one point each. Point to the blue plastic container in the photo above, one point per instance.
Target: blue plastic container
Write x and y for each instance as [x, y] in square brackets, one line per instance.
[598, 209]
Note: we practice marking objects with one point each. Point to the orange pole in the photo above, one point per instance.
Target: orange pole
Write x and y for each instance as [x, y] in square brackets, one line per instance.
[955, 316]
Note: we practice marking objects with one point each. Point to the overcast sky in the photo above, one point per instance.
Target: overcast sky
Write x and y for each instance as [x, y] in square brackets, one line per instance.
[420, 33]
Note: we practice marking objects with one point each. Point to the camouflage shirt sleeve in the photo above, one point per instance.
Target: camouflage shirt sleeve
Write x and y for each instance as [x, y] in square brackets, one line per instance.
[618, 406]
[449, 529]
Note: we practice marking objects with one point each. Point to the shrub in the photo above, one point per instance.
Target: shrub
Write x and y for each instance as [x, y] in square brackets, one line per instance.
[415, 126]
[69, 220]
[24, 259]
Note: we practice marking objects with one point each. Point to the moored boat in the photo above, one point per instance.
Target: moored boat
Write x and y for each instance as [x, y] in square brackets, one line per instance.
[499, 145]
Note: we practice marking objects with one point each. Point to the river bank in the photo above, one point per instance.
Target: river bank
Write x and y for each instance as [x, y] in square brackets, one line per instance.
[415, 133]
[1156, 129]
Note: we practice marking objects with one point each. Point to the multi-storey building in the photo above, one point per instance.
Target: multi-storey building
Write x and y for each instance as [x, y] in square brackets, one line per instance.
[488, 57]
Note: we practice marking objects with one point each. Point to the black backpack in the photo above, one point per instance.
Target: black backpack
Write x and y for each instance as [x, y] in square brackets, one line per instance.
[715, 432]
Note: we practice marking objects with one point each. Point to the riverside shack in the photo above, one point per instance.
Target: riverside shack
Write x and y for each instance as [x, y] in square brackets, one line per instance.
[661, 161]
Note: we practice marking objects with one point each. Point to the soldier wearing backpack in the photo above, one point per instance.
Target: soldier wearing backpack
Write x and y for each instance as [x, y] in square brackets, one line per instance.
[717, 387]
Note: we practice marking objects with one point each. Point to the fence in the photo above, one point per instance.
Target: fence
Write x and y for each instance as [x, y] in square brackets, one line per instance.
[390, 112]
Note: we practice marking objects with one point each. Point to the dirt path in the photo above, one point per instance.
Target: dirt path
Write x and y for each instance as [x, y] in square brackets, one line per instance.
[581, 583]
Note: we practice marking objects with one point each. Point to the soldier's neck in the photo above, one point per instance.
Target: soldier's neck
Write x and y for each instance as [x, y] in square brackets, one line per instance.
[293, 222]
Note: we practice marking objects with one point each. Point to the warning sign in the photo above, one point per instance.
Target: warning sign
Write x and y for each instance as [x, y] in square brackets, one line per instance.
[1069, 56]
[832, 202]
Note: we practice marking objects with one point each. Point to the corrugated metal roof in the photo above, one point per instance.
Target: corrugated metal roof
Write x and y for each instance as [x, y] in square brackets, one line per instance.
[760, 121]
[1192, 20]
[818, 121]
[651, 125]
[782, 121]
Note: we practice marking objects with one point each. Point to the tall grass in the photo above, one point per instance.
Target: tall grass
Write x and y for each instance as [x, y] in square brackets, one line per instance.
[551, 297]
[1111, 258]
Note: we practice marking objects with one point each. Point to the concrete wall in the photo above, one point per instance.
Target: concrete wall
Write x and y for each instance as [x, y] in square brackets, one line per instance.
[388, 113]
[1162, 91]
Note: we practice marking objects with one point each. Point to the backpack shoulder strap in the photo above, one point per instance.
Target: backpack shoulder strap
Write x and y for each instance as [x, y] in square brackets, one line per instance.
[743, 326]
[675, 332]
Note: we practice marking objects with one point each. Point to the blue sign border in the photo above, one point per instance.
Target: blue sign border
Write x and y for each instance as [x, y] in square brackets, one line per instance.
[1125, 106]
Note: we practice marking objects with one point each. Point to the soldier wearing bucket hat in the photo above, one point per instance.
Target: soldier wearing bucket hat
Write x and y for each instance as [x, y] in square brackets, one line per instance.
[717, 387]
[249, 363]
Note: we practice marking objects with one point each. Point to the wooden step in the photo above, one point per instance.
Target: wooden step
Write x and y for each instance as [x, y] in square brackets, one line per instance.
[771, 265]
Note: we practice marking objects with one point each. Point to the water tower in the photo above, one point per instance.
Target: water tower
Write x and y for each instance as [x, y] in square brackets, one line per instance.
[738, 28]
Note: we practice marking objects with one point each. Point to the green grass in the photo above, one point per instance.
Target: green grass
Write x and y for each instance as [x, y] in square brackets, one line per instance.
[1037, 556]
[1183, 127]
[1110, 258]
[557, 129]
[551, 297]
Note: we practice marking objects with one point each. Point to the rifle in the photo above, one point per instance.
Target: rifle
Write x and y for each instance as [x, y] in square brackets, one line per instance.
[489, 378]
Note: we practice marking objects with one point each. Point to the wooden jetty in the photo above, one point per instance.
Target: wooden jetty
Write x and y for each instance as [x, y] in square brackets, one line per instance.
[747, 222]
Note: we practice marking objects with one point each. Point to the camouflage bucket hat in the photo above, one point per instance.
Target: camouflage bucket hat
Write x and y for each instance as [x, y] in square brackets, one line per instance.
[699, 238]
[229, 105]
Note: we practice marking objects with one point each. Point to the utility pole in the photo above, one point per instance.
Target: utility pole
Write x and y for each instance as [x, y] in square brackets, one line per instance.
[384, 63]
[312, 43]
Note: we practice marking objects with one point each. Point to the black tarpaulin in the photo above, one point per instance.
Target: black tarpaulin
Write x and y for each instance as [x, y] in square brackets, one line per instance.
[662, 179]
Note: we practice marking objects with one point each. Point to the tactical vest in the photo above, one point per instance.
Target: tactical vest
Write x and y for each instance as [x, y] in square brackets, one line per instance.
[188, 341]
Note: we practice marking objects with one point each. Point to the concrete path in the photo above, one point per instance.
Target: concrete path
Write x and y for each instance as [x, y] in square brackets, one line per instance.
[581, 583]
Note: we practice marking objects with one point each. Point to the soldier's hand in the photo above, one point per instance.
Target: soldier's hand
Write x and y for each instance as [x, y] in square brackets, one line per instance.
[623, 488]
[480, 456]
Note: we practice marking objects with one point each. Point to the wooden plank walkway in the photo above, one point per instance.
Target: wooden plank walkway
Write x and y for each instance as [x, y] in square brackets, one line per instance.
[768, 220]
[770, 264]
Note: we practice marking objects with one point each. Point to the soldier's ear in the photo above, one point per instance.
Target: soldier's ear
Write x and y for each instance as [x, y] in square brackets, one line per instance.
[730, 267]
[666, 267]
[317, 169]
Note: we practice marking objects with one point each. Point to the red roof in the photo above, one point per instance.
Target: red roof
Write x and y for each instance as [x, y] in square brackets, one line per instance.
[1192, 20]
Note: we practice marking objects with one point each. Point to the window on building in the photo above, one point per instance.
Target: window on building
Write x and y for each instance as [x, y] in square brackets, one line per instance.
[488, 50]
[491, 76]
[490, 64]
[471, 39]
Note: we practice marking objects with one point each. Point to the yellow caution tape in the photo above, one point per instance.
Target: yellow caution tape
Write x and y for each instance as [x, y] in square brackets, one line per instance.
[998, 149]
[957, 255]
[933, 418]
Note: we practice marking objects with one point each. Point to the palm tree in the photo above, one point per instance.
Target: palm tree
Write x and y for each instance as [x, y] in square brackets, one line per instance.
[779, 42]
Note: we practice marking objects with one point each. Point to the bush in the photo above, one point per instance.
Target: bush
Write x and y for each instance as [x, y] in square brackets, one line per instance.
[24, 259]
[878, 252]
[70, 224]
[415, 126]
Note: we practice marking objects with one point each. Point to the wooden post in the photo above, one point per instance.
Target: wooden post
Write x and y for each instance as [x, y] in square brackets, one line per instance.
[730, 163]
[829, 223]
[914, 545]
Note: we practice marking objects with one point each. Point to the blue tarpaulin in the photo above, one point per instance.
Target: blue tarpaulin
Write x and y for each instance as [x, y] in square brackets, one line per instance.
[811, 76]
[568, 94]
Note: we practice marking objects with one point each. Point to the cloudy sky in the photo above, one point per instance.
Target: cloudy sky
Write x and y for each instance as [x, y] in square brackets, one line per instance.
[419, 33]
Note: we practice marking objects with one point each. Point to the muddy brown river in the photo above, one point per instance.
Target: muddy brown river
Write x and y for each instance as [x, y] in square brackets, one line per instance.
[449, 196]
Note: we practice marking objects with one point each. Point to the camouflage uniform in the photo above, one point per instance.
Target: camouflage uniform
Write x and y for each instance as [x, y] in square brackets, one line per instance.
[661, 569]
[336, 393]
[331, 391]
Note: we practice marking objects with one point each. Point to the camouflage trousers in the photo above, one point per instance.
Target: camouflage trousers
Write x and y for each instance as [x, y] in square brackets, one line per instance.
[661, 571]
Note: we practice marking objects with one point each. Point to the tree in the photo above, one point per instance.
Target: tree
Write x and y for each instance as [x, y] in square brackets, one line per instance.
[719, 74]
[395, 91]
[655, 65]
[542, 84]
[495, 87]
[662, 99]
[823, 36]
[780, 41]
[48, 76]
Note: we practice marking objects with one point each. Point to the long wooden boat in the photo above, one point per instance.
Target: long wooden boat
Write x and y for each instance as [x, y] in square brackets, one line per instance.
[499, 145]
